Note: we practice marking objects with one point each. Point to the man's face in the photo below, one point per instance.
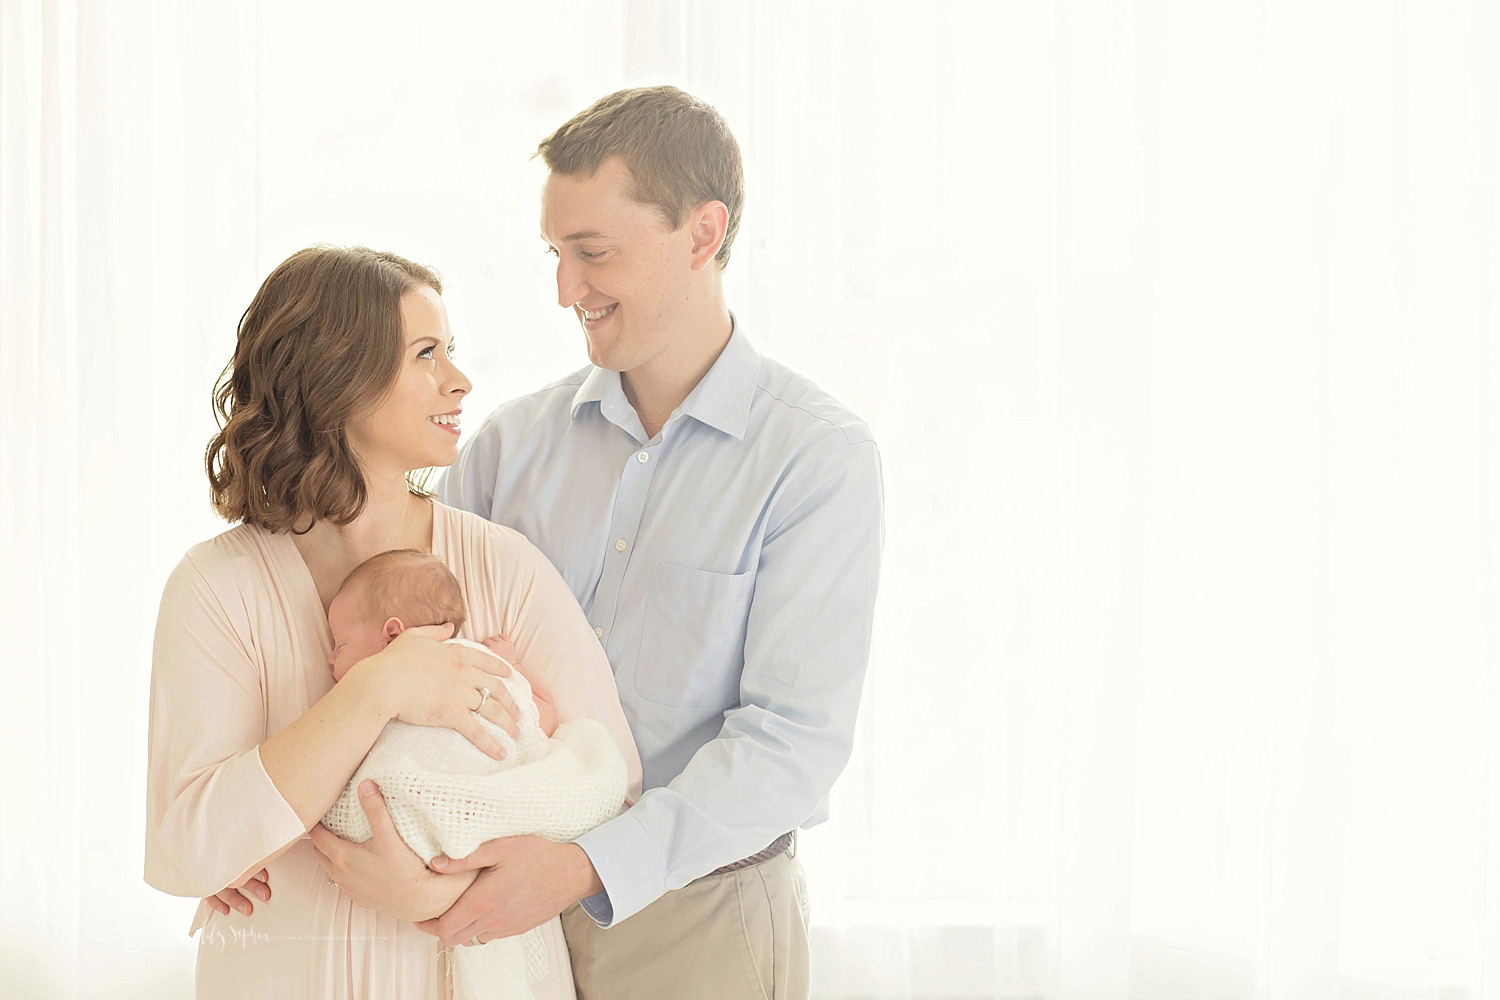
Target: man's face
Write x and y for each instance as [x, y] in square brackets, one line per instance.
[619, 268]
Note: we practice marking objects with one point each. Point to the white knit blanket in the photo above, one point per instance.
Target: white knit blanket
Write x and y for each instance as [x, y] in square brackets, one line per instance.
[446, 796]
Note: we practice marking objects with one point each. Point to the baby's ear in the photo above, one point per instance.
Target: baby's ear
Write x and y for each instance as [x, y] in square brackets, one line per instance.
[393, 628]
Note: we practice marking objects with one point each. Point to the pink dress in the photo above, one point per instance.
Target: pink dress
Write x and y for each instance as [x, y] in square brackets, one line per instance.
[241, 652]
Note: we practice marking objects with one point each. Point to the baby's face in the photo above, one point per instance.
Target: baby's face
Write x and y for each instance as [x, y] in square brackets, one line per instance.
[354, 636]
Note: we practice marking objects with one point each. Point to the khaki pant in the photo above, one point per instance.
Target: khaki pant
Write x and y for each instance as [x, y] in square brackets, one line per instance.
[723, 937]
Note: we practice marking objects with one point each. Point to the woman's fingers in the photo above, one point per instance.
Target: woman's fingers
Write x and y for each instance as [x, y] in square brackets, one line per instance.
[497, 666]
[469, 727]
[500, 708]
[432, 696]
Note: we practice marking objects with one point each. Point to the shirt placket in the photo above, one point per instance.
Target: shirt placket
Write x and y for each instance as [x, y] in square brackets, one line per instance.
[624, 530]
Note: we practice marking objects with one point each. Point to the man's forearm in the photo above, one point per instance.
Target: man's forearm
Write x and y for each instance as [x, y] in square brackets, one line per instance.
[446, 891]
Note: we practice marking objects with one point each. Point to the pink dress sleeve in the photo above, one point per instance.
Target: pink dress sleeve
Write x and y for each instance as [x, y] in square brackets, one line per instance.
[213, 813]
[558, 648]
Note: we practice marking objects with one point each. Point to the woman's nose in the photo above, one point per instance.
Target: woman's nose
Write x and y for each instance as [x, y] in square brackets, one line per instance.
[459, 382]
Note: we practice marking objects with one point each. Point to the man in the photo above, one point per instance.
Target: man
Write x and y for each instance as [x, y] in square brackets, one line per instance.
[719, 519]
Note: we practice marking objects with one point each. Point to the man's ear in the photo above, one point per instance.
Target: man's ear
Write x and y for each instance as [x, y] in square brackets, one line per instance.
[392, 628]
[707, 225]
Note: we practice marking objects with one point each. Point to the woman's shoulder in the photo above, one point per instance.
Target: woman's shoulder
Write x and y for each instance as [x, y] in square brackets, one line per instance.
[226, 561]
[228, 549]
[471, 535]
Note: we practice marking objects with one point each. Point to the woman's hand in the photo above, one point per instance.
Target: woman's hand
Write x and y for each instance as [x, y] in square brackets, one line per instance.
[383, 873]
[426, 682]
[233, 898]
[547, 712]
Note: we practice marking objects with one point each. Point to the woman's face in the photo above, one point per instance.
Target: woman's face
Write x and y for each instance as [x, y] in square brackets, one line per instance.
[416, 424]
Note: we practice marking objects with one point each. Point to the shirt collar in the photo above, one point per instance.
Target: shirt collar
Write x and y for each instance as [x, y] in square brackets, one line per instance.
[721, 399]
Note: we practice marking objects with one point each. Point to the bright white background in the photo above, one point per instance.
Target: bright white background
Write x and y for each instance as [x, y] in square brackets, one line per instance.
[1174, 321]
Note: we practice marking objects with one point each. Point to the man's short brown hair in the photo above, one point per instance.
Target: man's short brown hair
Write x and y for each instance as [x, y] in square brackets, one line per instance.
[408, 584]
[320, 345]
[679, 151]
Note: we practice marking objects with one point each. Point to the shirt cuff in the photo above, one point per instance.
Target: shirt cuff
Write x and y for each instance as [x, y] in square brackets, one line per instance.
[628, 864]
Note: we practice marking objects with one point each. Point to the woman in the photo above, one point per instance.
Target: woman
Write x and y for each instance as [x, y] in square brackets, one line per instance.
[341, 385]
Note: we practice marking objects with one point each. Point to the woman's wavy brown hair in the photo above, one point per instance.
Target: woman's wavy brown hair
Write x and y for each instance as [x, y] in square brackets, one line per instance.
[320, 345]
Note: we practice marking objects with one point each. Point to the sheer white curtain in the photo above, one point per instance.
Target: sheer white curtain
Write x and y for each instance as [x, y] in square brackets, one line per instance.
[127, 238]
[1174, 324]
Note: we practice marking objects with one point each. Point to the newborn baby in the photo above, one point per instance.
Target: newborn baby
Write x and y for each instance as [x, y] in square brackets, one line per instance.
[389, 593]
[445, 795]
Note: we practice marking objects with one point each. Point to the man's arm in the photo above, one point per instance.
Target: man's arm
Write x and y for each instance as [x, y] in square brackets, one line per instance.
[777, 755]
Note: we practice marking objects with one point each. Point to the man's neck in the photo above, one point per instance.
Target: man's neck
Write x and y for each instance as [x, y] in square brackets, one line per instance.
[658, 387]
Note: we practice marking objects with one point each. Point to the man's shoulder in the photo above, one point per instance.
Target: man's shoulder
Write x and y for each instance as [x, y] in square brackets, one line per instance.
[552, 401]
[795, 406]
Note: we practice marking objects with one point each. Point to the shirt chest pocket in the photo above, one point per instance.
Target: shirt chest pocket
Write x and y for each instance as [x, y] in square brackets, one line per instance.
[693, 638]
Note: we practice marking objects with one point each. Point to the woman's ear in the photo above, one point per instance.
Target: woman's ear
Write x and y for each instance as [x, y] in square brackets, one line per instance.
[392, 628]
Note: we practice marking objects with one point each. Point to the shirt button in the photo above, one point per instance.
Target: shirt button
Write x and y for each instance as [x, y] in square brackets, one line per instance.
[598, 633]
[643, 457]
[620, 545]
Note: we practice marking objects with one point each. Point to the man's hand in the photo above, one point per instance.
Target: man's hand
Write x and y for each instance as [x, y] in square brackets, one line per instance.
[529, 881]
[383, 873]
[237, 896]
[547, 712]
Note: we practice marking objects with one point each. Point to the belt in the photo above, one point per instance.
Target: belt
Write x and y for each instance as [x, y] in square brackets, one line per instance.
[780, 845]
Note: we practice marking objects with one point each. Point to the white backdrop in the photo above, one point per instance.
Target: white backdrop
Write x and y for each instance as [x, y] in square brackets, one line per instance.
[1173, 320]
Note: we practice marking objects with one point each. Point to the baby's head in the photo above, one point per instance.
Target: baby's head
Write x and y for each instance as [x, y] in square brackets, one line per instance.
[384, 596]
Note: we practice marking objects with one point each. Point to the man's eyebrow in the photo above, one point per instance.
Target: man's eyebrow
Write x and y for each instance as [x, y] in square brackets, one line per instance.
[587, 234]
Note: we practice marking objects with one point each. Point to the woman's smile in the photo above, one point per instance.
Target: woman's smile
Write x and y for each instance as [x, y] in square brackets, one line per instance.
[447, 421]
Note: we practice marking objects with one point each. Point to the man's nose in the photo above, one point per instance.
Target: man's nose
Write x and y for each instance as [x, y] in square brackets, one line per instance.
[570, 286]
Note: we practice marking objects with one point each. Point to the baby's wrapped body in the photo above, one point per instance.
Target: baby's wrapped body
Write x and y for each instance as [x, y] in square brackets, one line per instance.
[446, 796]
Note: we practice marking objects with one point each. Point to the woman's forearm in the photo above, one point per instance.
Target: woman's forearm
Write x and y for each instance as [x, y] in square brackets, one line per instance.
[311, 760]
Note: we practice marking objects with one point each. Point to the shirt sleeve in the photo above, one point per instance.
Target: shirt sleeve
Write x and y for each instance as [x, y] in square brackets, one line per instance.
[777, 755]
[212, 812]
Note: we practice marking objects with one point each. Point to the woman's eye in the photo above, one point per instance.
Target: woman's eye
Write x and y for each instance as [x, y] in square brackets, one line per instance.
[551, 250]
[425, 352]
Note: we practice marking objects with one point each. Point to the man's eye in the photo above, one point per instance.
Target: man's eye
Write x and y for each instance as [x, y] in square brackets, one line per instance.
[590, 256]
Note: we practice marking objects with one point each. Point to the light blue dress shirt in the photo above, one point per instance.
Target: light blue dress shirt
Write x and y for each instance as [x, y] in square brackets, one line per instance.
[729, 567]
